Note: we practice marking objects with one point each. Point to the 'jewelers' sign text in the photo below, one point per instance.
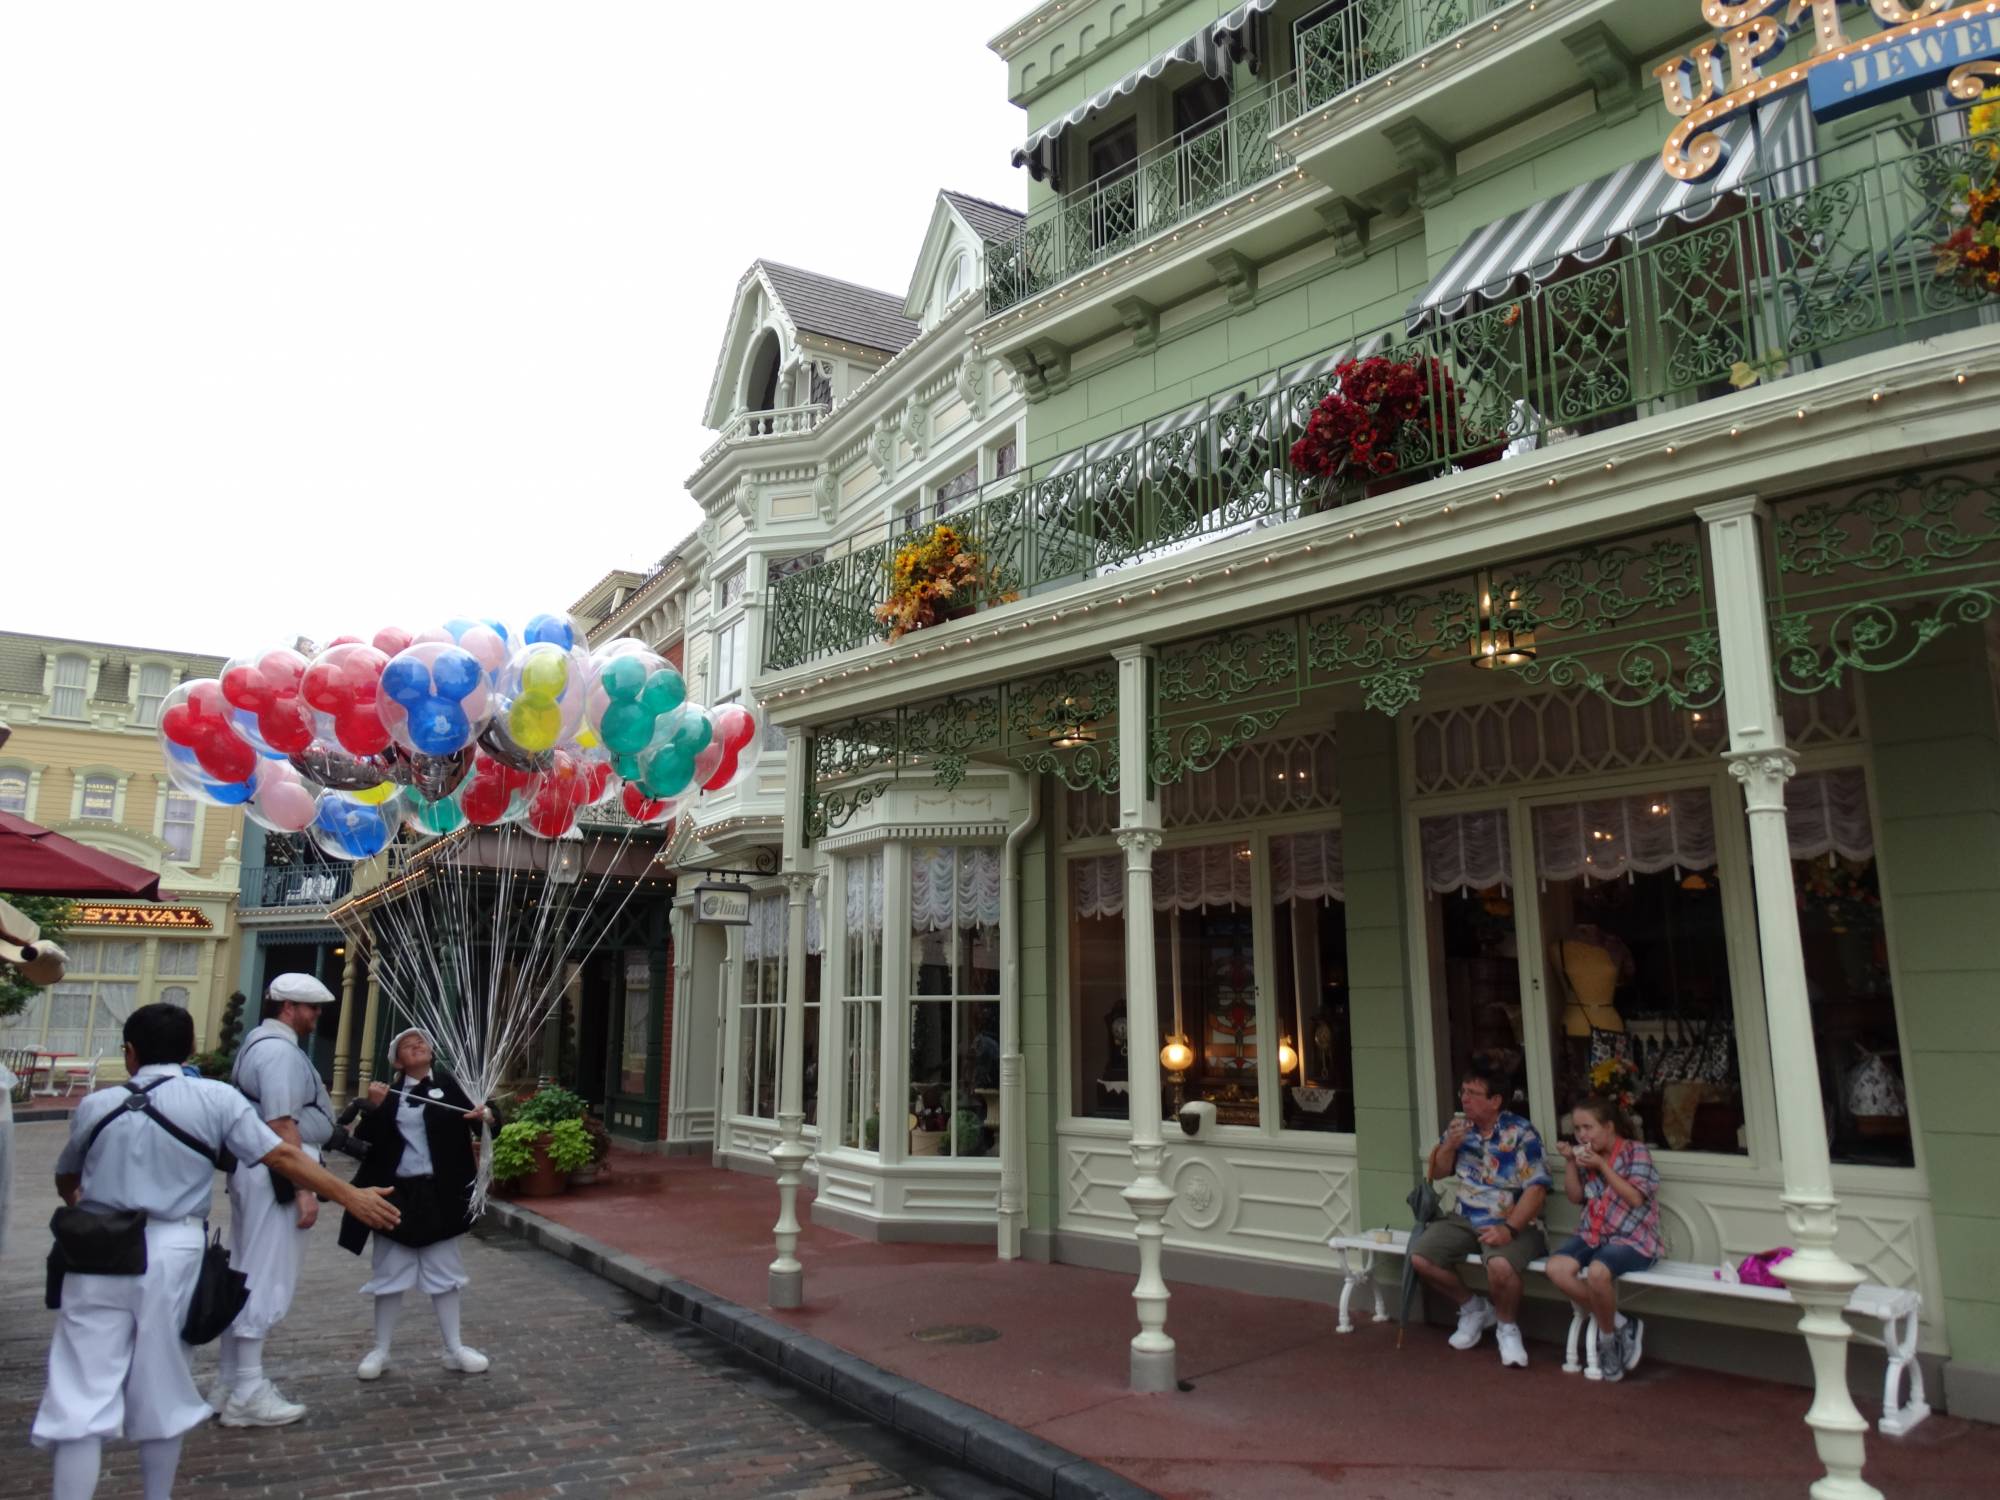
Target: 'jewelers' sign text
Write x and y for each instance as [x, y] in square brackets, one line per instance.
[1919, 44]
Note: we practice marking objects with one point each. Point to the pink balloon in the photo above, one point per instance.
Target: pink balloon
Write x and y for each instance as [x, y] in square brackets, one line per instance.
[283, 800]
[391, 639]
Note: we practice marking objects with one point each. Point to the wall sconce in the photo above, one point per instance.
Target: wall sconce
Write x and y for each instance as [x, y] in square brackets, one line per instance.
[1288, 1056]
[1073, 730]
[1504, 639]
[1176, 1056]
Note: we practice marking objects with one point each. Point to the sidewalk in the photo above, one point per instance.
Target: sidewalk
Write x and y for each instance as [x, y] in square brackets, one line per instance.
[1281, 1406]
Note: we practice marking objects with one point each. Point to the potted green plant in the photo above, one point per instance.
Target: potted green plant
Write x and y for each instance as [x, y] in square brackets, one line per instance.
[570, 1147]
[968, 1133]
[523, 1162]
[871, 1133]
[600, 1153]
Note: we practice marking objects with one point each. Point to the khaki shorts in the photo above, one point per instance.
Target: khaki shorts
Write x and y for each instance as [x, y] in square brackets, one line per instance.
[1447, 1241]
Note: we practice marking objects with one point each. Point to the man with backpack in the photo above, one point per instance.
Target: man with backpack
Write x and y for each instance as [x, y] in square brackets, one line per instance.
[268, 1222]
[138, 1174]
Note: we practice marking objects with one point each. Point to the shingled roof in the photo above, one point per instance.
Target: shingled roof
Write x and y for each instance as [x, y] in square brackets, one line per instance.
[839, 309]
[21, 658]
[990, 221]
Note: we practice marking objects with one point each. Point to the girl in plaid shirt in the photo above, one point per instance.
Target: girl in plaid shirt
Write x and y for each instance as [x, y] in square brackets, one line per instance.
[1611, 1174]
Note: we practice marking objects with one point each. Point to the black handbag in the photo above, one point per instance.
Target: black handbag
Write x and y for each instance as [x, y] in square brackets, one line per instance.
[219, 1295]
[101, 1242]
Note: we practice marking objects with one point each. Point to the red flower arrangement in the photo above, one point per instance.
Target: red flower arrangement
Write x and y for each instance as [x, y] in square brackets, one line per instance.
[1355, 429]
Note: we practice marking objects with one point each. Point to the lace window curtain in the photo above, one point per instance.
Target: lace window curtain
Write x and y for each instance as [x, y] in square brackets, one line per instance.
[1466, 851]
[1827, 813]
[946, 879]
[1304, 867]
[764, 938]
[1308, 867]
[864, 894]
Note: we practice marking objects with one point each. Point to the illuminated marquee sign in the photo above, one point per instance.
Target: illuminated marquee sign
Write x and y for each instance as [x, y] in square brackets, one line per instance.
[126, 914]
[1918, 45]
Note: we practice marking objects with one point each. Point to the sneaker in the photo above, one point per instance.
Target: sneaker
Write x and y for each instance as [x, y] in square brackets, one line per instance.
[1474, 1318]
[1611, 1356]
[466, 1360]
[265, 1408]
[1631, 1342]
[1512, 1350]
[373, 1363]
[218, 1395]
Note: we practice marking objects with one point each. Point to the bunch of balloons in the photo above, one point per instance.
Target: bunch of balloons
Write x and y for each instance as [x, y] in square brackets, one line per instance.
[473, 722]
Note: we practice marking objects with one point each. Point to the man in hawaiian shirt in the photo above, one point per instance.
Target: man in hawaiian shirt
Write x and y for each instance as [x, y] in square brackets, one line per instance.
[1496, 1158]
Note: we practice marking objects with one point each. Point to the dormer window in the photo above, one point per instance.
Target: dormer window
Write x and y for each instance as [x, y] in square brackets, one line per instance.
[66, 700]
[153, 683]
[958, 278]
[760, 381]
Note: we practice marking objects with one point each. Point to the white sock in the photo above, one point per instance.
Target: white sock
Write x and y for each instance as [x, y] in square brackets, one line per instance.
[158, 1459]
[1505, 1324]
[446, 1306]
[388, 1305]
[249, 1368]
[225, 1361]
[77, 1462]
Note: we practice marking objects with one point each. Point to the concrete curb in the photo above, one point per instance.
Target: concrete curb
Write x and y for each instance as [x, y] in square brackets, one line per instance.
[965, 1434]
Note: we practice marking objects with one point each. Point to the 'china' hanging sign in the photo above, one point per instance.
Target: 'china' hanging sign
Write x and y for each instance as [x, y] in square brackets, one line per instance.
[1919, 45]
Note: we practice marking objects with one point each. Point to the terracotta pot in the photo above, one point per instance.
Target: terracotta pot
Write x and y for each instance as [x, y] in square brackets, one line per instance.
[543, 1180]
[927, 1143]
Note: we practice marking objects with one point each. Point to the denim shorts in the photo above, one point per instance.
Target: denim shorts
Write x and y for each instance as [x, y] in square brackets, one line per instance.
[1622, 1260]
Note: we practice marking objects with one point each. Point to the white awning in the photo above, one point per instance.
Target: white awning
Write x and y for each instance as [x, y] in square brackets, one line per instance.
[1632, 205]
[1213, 49]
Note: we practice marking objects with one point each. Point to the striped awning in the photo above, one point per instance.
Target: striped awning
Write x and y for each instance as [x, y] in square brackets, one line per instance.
[1212, 48]
[1632, 205]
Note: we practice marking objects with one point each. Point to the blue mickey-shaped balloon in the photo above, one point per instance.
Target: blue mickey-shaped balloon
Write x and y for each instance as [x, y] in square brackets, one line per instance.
[432, 696]
[350, 829]
[554, 630]
[185, 771]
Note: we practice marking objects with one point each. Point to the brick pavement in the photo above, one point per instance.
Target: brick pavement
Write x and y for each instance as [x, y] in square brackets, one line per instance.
[591, 1393]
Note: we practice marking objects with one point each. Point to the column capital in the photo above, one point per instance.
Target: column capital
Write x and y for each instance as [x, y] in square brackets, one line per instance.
[1134, 651]
[1139, 843]
[1763, 774]
[799, 884]
[1735, 507]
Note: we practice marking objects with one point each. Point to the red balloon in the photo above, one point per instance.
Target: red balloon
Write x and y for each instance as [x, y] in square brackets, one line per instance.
[640, 808]
[343, 682]
[735, 728]
[268, 687]
[551, 814]
[342, 640]
[483, 802]
[201, 724]
[391, 639]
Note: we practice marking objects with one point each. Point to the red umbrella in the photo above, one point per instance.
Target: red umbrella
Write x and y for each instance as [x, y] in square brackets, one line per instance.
[36, 862]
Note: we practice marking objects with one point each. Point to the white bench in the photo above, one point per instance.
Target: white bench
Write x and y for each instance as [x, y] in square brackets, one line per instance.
[1894, 1308]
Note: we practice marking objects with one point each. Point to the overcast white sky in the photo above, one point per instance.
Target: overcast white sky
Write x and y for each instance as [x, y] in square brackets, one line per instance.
[315, 318]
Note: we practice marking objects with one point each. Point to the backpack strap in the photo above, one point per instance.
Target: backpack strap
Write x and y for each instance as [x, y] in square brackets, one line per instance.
[312, 1103]
[139, 1103]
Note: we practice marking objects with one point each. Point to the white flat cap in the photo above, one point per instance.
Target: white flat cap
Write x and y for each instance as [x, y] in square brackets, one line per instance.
[300, 989]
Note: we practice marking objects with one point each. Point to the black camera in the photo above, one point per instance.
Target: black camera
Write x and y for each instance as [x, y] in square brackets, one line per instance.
[344, 1142]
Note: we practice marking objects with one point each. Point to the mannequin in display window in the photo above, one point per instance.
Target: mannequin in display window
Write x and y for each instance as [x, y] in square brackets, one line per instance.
[1593, 963]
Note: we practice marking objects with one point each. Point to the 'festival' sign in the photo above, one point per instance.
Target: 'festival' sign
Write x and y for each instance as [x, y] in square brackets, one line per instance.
[1919, 45]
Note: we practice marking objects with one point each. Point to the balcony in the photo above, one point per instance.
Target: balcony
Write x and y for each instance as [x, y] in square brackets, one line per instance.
[293, 887]
[1368, 37]
[1790, 272]
[778, 422]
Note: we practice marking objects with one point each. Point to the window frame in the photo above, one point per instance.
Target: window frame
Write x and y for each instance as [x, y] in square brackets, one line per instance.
[86, 776]
[81, 687]
[27, 775]
[141, 718]
[169, 793]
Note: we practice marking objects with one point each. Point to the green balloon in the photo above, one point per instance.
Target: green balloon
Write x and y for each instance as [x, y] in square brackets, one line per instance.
[692, 735]
[627, 728]
[664, 692]
[624, 678]
[668, 772]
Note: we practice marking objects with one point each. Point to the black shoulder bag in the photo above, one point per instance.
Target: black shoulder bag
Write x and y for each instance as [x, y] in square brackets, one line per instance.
[113, 1242]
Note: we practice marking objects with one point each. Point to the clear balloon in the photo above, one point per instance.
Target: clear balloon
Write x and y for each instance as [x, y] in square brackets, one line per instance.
[487, 641]
[735, 731]
[434, 698]
[185, 772]
[542, 696]
[265, 688]
[496, 792]
[342, 687]
[643, 809]
[347, 828]
[558, 630]
[337, 770]
[428, 816]
[572, 783]
[196, 717]
[284, 801]
[634, 690]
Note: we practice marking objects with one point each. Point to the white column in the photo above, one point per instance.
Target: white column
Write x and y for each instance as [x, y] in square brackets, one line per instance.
[790, 1154]
[1149, 1197]
[1013, 1074]
[1818, 1279]
[343, 1043]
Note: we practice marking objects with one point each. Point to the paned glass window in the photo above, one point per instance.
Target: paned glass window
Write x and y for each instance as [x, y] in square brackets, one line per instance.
[153, 684]
[177, 826]
[1006, 458]
[175, 994]
[100, 798]
[66, 702]
[760, 1041]
[14, 791]
[85, 1015]
[178, 959]
[861, 1006]
[636, 1026]
[1309, 977]
[729, 590]
[955, 489]
[954, 1000]
[729, 661]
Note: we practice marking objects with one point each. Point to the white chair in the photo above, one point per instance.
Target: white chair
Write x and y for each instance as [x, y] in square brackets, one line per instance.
[84, 1074]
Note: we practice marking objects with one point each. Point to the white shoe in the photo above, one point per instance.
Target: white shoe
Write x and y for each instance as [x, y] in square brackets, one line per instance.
[1474, 1318]
[265, 1408]
[218, 1395]
[466, 1360]
[1512, 1350]
[373, 1363]
[1633, 1340]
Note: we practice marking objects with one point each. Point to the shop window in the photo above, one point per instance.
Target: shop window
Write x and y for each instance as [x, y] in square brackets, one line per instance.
[86, 1013]
[729, 661]
[1309, 972]
[66, 701]
[99, 799]
[1006, 457]
[955, 490]
[954, 1000]
[153, 684]
[14, 791]
[1848, 981]
[1640, 994]
[861, 1007]
[177, 826]
[175, 994]
[1205, 962]
[178, 960]
[760, 1043]
[1475, 971]
[1102, 1076]
[636, 1023]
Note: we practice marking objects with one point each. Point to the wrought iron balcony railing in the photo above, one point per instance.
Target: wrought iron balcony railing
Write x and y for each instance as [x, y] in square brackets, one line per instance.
[1796, 269]
[1367, 37]
[782, 421]
[1201, 168]
[289, 887]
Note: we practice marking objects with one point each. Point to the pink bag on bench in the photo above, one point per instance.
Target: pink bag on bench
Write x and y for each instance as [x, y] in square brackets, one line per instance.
[1757, 1270]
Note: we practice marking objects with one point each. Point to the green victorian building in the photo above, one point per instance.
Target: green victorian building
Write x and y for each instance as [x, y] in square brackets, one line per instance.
[1473, 530]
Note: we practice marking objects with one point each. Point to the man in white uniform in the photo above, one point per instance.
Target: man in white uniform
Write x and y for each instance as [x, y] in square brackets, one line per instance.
[267, 1227]
[117, 1366]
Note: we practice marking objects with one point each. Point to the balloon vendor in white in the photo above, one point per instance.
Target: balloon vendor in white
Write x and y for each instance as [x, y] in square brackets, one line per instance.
[268, 1221]
[422, 1134]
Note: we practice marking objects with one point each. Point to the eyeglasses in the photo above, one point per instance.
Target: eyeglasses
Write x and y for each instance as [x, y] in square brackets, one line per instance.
[1472, 1091]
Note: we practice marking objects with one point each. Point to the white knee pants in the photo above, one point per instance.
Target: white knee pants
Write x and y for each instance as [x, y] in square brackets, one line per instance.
[266, 1245]
[434, 1269]
[117, 1366]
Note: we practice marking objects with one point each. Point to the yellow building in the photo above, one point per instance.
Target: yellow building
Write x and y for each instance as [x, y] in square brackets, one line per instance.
[83, 758]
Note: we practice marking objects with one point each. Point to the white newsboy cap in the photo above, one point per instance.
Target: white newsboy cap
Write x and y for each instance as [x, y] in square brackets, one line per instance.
[300, 989]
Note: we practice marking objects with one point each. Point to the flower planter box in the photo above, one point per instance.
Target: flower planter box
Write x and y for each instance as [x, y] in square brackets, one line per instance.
[543, 1181]
[927, 1143]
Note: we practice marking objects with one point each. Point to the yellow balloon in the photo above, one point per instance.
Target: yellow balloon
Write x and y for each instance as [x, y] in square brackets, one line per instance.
[534, 726]
[544, 675]
[586, 739]
[376, 795]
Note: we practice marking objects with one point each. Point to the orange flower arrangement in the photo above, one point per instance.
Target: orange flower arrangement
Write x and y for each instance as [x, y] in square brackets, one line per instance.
[1970, 254]
[933, 579]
